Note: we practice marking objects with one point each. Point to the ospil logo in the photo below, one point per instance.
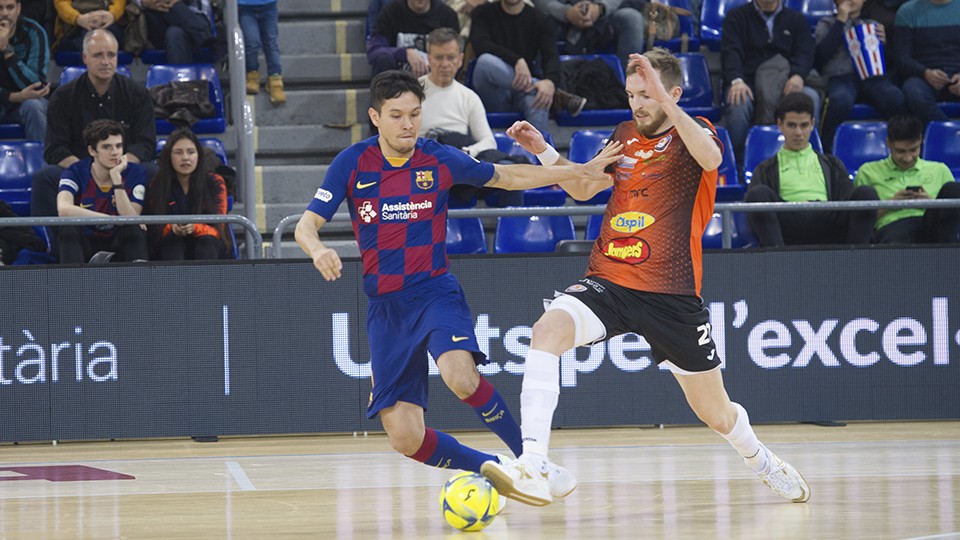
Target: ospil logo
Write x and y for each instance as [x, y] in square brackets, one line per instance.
[629, 250]
[631, 222]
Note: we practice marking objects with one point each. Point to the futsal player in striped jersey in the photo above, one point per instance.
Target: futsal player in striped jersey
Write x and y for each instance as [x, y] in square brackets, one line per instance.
[667, 176]
[396, 186]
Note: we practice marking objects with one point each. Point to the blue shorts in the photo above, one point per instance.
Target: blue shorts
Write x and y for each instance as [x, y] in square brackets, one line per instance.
[404, 325]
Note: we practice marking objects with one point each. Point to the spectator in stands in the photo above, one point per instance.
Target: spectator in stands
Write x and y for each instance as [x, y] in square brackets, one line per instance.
[518, 67]
[399, 39]
[453, 114]
[183, 186]
[798, 174]
[766, 52]
[928, 55]
[23, 75]
[586, 26]
[258, 19]
[904, 176]
[75, 18]
[15, 239]
[180, 27]
[844, 83]
[105, 184]
[97, 94]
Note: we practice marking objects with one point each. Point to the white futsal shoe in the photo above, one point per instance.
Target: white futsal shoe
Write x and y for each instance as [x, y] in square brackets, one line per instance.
[785, 481]
[525, 481]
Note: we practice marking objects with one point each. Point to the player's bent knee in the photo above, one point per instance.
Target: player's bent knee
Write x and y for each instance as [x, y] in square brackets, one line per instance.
[406, 442]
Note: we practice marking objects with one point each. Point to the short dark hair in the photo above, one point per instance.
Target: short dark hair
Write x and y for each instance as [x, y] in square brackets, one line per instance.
[442, 36]
[904, 127]
[795, 102]
[391, 84]
[99, 130]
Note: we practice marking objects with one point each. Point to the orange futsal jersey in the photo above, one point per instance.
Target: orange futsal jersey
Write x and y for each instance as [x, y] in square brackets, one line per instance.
[662, 200]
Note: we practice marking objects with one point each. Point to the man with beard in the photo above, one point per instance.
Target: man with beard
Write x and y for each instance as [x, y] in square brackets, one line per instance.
[665, 184]
[396, 188]
[23, 75]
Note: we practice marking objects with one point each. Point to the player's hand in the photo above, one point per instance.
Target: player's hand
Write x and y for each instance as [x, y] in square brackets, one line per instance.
[654, 86]
[594, 169]
[545, 91]
[522, 78]
[328, 263]
[739, 93]
[527, 136]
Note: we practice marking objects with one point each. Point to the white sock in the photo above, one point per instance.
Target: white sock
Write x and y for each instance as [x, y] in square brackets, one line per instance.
[745, 441]
[538, 399]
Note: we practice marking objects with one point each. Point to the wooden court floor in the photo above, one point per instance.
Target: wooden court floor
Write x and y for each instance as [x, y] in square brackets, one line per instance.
[869, 481]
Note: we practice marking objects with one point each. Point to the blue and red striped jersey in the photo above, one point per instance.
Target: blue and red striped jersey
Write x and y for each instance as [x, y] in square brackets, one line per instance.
[399, 213]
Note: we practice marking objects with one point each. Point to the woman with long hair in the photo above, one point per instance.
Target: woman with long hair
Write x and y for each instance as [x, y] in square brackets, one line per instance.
[182, 186]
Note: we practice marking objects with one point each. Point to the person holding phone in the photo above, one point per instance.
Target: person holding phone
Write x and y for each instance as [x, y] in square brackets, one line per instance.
[904, 176]
[23, 72]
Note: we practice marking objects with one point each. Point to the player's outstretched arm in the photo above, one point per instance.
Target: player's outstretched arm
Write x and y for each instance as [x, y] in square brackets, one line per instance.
[517, 177]
[325, 259]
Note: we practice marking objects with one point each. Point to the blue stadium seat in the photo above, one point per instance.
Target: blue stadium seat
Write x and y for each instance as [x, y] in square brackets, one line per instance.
[729, 187]
[859, 142]
[465, 236]
[18, 161]
[763, 142]
[592, 231]
[534, 234]
[697, 97]
[813, 10]
[942, 143]
[70, 73]
[495, 119]
[163, 74]
[741, 237]
[543, 196]
[863, 111]
[686, 27]
[584, 144]
[712, 14]
[596, 117]
[74, 58]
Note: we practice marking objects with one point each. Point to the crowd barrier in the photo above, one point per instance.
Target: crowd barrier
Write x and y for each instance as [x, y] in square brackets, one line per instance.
[268, 347]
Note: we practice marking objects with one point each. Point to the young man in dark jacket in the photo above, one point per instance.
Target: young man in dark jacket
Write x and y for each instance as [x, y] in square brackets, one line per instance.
[796, 173]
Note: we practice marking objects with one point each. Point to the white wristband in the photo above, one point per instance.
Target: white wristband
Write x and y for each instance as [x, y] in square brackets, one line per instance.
[548, 156]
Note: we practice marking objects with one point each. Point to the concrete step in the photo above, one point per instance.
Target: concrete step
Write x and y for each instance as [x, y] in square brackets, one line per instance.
[313, 107]
[322, 36]
[346, 69]
[291, 184]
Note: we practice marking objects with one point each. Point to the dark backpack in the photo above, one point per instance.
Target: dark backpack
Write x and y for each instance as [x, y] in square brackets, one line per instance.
[595, 80]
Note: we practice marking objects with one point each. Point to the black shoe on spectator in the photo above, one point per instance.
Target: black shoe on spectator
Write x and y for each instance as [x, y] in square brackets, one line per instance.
[101, 257]
[567, 102]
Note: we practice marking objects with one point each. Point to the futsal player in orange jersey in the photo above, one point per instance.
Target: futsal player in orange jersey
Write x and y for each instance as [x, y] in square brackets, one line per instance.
[664, 187]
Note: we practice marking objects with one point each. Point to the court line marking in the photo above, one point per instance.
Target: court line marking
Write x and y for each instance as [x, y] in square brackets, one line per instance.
[933, 536]
[240, 477]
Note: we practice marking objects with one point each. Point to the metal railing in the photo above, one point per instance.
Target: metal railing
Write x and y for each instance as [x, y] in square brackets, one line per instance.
[725, 209]
[254, 244]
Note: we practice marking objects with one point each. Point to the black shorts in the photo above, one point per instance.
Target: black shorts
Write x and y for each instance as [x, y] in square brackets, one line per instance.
[677, 327]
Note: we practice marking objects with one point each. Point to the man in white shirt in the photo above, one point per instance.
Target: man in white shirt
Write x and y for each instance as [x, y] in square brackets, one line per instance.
[453, 114]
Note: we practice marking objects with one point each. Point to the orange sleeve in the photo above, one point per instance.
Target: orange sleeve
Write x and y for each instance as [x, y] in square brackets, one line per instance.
[65, 11]
[216, 183]
[117, 9]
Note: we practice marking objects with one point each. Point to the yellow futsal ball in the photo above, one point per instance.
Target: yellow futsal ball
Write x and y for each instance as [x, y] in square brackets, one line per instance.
[469, 502]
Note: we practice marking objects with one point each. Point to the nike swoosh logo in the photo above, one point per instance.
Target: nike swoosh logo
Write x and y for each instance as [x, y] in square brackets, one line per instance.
[488, 413]
[459, 338]
[365, 186]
